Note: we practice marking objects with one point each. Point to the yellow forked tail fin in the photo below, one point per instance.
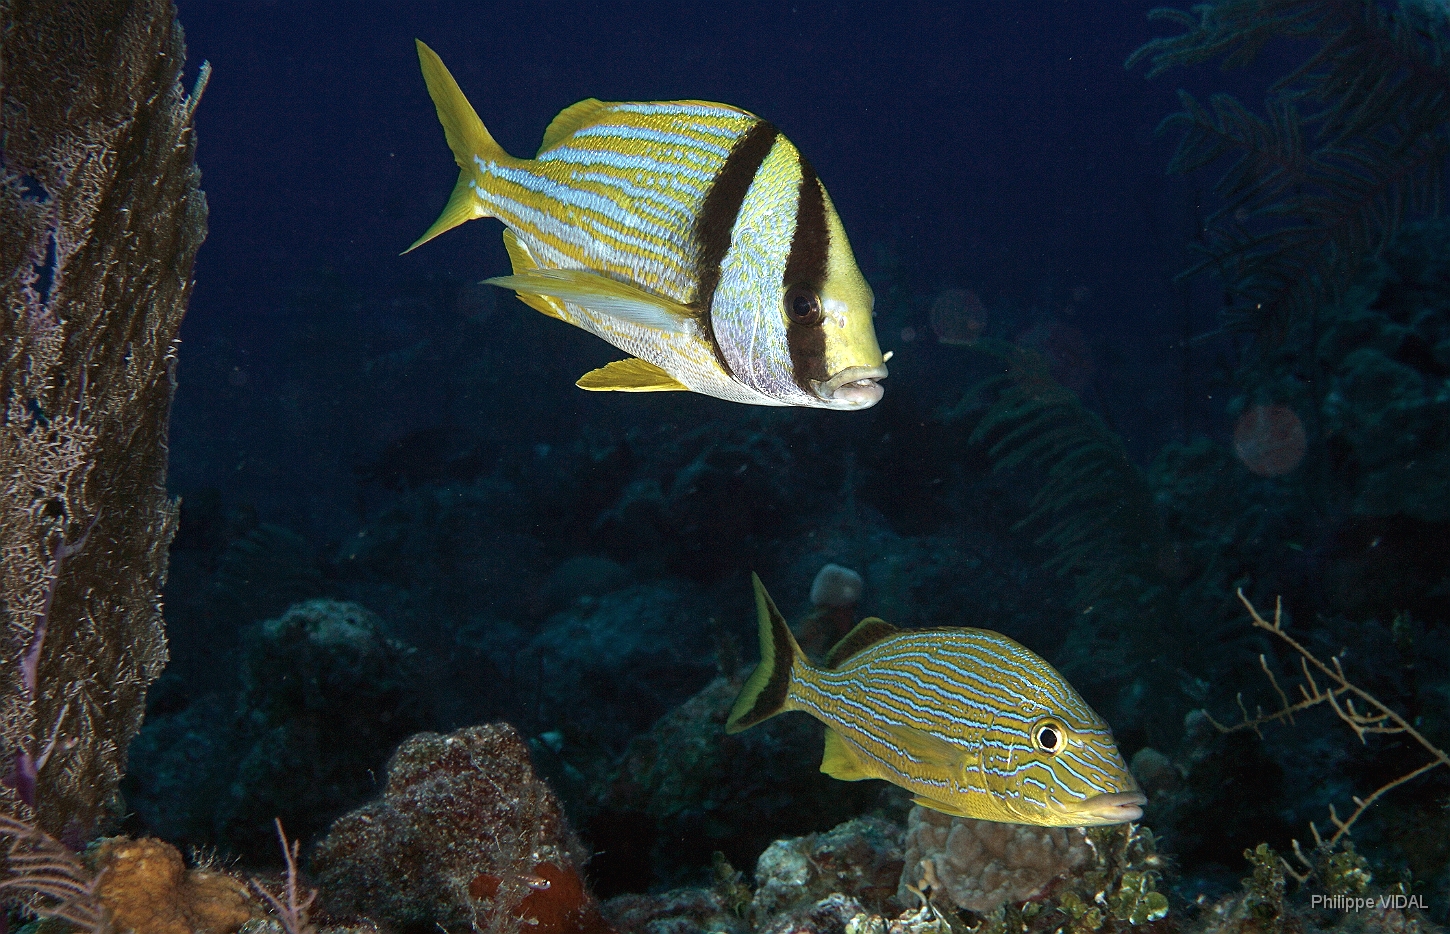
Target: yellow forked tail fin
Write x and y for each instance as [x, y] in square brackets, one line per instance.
[467, 137]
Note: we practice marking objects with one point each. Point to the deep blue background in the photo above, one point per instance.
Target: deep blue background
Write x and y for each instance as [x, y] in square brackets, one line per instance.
[997, 147]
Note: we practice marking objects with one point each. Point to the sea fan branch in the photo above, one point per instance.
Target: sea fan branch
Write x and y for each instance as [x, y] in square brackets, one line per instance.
[1340, 695]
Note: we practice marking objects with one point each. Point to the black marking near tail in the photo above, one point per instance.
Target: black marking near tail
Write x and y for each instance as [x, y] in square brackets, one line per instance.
[768, 688]
[717, 217]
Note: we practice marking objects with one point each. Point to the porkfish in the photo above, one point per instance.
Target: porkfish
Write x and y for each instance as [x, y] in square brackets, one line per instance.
[691, 235]
[969, 721]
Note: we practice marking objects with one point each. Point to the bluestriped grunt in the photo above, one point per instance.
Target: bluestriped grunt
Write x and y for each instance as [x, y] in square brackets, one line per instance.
[692, 235]
[970, 721]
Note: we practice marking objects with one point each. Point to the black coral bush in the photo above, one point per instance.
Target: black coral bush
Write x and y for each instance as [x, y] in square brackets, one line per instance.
[1352, 144]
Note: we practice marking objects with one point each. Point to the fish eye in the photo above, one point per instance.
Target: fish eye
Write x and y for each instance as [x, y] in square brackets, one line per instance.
[1049, 736]
[803, 306]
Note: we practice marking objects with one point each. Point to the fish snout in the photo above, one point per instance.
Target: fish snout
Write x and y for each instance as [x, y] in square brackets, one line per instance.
[1114, 808]
[855, 387]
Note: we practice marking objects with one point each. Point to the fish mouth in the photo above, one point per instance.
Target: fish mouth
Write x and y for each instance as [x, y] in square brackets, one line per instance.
[1115, 808]
[855, 387]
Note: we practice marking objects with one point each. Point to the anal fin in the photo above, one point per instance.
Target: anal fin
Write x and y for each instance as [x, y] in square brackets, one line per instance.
[631, 375]
[841, 759]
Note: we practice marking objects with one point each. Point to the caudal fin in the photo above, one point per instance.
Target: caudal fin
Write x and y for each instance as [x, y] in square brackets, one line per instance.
[768, 688]
[467, 137]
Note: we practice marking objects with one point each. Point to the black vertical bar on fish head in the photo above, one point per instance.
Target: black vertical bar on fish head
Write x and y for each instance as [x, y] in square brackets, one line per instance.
[716, 222]
[806, 266]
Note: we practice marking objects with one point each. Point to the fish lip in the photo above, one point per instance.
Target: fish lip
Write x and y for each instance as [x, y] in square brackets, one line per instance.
[855, 387]
[1109, 808]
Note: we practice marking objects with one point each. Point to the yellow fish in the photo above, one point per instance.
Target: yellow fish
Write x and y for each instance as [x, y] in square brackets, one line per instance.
[689, 234]
[969, 720]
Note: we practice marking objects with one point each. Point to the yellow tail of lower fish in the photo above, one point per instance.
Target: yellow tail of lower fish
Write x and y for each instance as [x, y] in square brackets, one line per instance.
[767, 690]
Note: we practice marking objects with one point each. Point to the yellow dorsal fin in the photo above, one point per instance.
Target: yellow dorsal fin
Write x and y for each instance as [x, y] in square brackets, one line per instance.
[570, 121]
[523, 262]
[841, 760]
[467, 137]
[632, 375]
[867, 633]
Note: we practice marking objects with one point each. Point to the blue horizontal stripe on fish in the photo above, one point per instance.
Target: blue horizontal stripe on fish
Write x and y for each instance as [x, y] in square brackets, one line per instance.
[606, 217]
[674, 141]
[669, 174]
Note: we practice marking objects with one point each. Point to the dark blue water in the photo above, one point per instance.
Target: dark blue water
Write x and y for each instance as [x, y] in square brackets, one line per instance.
[355, 424]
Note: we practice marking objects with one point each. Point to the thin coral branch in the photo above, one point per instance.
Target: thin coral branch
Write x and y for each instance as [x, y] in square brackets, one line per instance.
[290, 906]
[48, 880]
[1375, 717]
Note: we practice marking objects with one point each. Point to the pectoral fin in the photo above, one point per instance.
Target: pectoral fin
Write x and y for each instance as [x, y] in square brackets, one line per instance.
[842, 760]
[632, 375]
[942, 806]
[600, 293]
[925, 747]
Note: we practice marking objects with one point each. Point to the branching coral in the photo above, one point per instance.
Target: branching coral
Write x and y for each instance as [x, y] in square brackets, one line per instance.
[1361, 711]
[49, 880]
[1093, 507]
[1354, 142]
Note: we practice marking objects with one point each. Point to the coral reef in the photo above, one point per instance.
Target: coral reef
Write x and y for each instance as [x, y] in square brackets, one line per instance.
[1386, 349]
[685, 789]
[465, 834]
[1361, 711]
[829, 915]
[141, 886]
[815, 884]
[861, 858]
[1115, 889]
[678, 911]
[1347, 903]
[148, 889]
[326, 694]
[46, 879]
[1093, 506]
[835, 591]
[100, 220]
[983, 865]
[1352, 145]
[617, 664]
